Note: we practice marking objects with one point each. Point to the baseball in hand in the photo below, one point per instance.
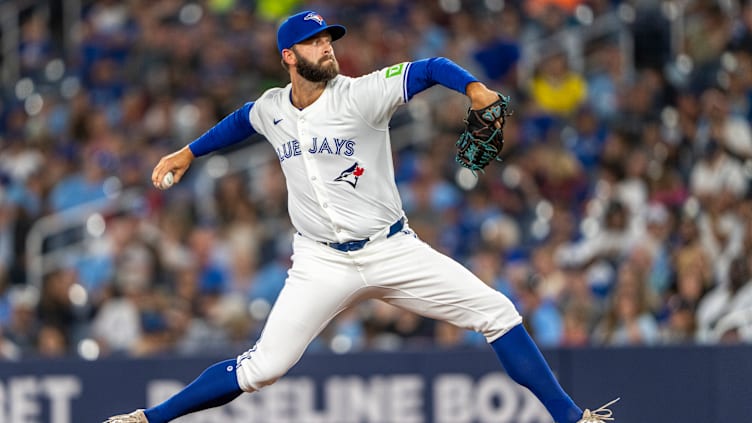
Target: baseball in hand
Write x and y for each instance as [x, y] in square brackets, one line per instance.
[167, 180]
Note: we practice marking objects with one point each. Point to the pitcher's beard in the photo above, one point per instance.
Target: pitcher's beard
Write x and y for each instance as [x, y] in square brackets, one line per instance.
[316, 72]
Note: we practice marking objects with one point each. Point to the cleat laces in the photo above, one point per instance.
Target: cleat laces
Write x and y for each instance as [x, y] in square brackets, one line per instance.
[599, 415]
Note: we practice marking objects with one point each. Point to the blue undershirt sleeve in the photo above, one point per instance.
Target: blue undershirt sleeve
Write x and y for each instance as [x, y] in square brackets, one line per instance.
[426, 73]
[234, 128]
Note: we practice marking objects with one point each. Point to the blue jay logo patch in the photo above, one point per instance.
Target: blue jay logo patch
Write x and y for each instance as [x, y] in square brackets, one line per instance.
[351, 175]
[314, 17]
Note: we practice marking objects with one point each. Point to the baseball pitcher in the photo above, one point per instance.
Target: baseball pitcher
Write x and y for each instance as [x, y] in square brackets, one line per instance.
[353, 240]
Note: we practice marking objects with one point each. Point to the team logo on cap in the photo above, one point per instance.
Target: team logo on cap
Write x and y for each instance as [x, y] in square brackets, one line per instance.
[351, 175]
[314, 17]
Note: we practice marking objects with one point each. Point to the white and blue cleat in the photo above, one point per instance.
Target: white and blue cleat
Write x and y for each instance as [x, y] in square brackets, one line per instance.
[137, 416]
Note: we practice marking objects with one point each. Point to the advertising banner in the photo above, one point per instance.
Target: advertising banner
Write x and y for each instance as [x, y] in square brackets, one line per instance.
[657, 385]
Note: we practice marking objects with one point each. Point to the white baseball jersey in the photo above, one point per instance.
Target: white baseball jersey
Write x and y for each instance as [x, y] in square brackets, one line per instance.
[336, 154]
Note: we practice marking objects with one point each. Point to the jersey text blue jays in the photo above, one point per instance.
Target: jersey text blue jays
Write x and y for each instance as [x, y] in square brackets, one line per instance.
[318, 146]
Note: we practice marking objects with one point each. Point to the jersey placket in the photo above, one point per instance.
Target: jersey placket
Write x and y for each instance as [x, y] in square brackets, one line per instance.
[314, 177]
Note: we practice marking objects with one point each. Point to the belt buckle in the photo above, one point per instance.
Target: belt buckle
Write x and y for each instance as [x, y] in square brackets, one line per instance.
[360, 243]
[349, 245]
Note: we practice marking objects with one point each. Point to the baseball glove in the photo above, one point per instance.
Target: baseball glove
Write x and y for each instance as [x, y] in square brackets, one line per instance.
[483, 138]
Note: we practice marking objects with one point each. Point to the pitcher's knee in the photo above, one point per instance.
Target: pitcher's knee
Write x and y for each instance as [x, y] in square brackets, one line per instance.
[503, 317]
[270, 373]
[256, 370]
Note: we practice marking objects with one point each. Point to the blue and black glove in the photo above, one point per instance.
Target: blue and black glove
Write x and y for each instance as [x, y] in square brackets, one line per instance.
[483, 138]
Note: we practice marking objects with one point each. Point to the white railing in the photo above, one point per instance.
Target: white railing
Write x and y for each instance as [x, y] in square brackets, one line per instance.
[42, 259]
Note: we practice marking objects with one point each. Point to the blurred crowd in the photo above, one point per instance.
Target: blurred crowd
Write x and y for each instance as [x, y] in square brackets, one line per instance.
[620, 215]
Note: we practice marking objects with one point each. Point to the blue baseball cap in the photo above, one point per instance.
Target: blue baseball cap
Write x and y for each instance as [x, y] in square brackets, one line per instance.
[302, 26]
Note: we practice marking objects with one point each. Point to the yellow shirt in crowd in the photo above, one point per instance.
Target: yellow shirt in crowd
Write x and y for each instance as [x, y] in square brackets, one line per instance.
[562, 98]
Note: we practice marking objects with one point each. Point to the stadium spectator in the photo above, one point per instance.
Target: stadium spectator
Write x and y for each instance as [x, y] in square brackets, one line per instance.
[556, 88]
[541, 315]
[725, 300]
[497, 49]
[628, 321]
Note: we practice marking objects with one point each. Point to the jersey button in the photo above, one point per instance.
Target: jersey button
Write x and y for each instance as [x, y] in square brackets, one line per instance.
[325, 205]
[313, 178]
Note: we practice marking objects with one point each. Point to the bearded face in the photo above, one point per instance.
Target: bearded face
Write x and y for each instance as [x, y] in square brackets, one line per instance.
[322, 71]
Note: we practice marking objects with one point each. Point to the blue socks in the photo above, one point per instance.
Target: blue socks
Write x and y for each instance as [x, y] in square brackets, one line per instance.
[216, 386]
[525, 364]
[519, 355]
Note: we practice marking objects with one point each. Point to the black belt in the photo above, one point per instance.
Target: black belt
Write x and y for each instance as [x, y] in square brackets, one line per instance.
[360, 243]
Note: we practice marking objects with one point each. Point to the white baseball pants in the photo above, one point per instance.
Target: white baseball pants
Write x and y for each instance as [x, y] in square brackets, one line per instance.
[401, 270]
